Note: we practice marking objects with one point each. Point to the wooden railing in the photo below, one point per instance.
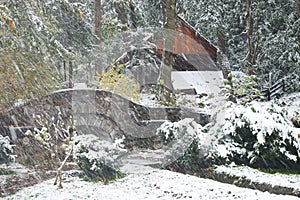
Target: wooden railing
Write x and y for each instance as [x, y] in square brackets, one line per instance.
[66, 66]
[277, 89]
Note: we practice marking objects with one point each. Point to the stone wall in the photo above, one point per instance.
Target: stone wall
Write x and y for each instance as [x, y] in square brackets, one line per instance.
[99, 112]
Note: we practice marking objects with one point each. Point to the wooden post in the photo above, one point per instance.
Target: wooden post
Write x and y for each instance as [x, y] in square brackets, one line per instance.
[65, 70]
[70, 74]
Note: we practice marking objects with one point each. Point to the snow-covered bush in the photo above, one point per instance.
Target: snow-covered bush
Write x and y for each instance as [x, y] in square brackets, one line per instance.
[259, 135]
[181, 144]
[168, 131]
[97, 158]
[6, 150]
[243, 87]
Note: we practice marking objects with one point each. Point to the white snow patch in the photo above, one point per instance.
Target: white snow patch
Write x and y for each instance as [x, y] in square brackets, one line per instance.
[202, 81]
[284, 180]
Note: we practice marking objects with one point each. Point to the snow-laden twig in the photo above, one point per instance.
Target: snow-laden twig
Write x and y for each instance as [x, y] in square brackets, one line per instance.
[58, 174]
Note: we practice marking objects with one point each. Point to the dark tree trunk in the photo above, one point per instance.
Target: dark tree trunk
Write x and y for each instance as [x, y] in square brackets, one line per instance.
[126, 14]
[97, 19]
[170, 13]
[70, 74]
[298, 8]
[250, 43]
[132, 15]
[65, 70]
[121, 11]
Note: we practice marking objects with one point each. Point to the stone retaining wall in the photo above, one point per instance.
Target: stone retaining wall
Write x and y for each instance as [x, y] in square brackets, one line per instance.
[96, 111]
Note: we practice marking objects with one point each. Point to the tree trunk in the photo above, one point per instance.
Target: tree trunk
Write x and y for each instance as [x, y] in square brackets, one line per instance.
[132, 15]
[222, 59]
[65, 70]
[221, 55]
[251, 49]
[121, 11]
[70, 74]
[298, 8]
[169, 11]
[97, 19]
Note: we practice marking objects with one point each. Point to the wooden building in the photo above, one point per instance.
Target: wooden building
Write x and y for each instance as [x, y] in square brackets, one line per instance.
[192, 51]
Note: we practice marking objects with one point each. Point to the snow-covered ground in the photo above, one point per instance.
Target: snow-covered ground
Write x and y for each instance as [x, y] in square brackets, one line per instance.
[142, 182]
[283, 180]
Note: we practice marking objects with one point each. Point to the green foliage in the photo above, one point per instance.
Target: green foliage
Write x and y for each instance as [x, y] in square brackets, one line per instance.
[149, 13]
[42, 136]
[164, 95]
[53, 134]
[116, 81]
[190, 162]
[280, 171]
[201, 105]
[296, 121]
[270, 155]
[23, 76]
[252, 135]
[34, 36]
[109, 28]
[110, 24]
[74, 33]
[245, 88]
[170, 132]
[7, 172]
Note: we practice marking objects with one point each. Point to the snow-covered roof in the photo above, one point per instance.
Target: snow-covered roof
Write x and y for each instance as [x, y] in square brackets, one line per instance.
[202, 81]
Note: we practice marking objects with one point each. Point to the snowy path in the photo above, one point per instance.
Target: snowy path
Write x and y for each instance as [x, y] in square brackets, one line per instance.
[143, 158]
